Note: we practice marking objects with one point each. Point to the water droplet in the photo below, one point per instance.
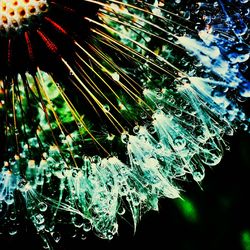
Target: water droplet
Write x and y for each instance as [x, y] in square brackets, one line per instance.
[160, 105]
[77, 221]
[96, 159]
[179, 143]
[151, 129]
[125, 138]
[87, 226]
[159, 96]
[198, 174]
[121, 210]
[56, 236]
[42, 206]
[144, 115]
[46, 245]
[13, 217]
[185, 80]
[38, 219]
[178, 112]
[241, 98]
[13, 231]
[40, 227]
[211, 159]
[9, 198]
[83, 236]
[136, 129]
[106, 108]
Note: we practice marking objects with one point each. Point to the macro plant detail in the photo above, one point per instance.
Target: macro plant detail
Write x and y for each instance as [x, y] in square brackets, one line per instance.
[108, 106]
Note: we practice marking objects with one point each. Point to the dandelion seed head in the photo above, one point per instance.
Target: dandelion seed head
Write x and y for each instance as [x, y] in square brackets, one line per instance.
[16, 13]
[121, 113]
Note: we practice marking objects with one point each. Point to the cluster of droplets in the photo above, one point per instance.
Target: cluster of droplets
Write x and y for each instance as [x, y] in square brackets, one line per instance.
[8, 184]
[180, 132]
[167, 150]
[219, 72]
[225, 25]
[9, 180]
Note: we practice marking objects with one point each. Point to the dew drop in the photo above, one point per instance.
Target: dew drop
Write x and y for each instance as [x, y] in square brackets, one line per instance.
[198, 174]
[56, 236]
[179, 143]
[77, 221]
[42, 206]
[9, 198]
[125, 138]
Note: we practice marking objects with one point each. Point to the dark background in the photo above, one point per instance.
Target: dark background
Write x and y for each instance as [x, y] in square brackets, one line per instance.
[221, 217]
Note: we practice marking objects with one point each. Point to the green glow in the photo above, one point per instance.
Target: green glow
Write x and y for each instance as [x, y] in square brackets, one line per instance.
[188, 209]
[245, 240]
